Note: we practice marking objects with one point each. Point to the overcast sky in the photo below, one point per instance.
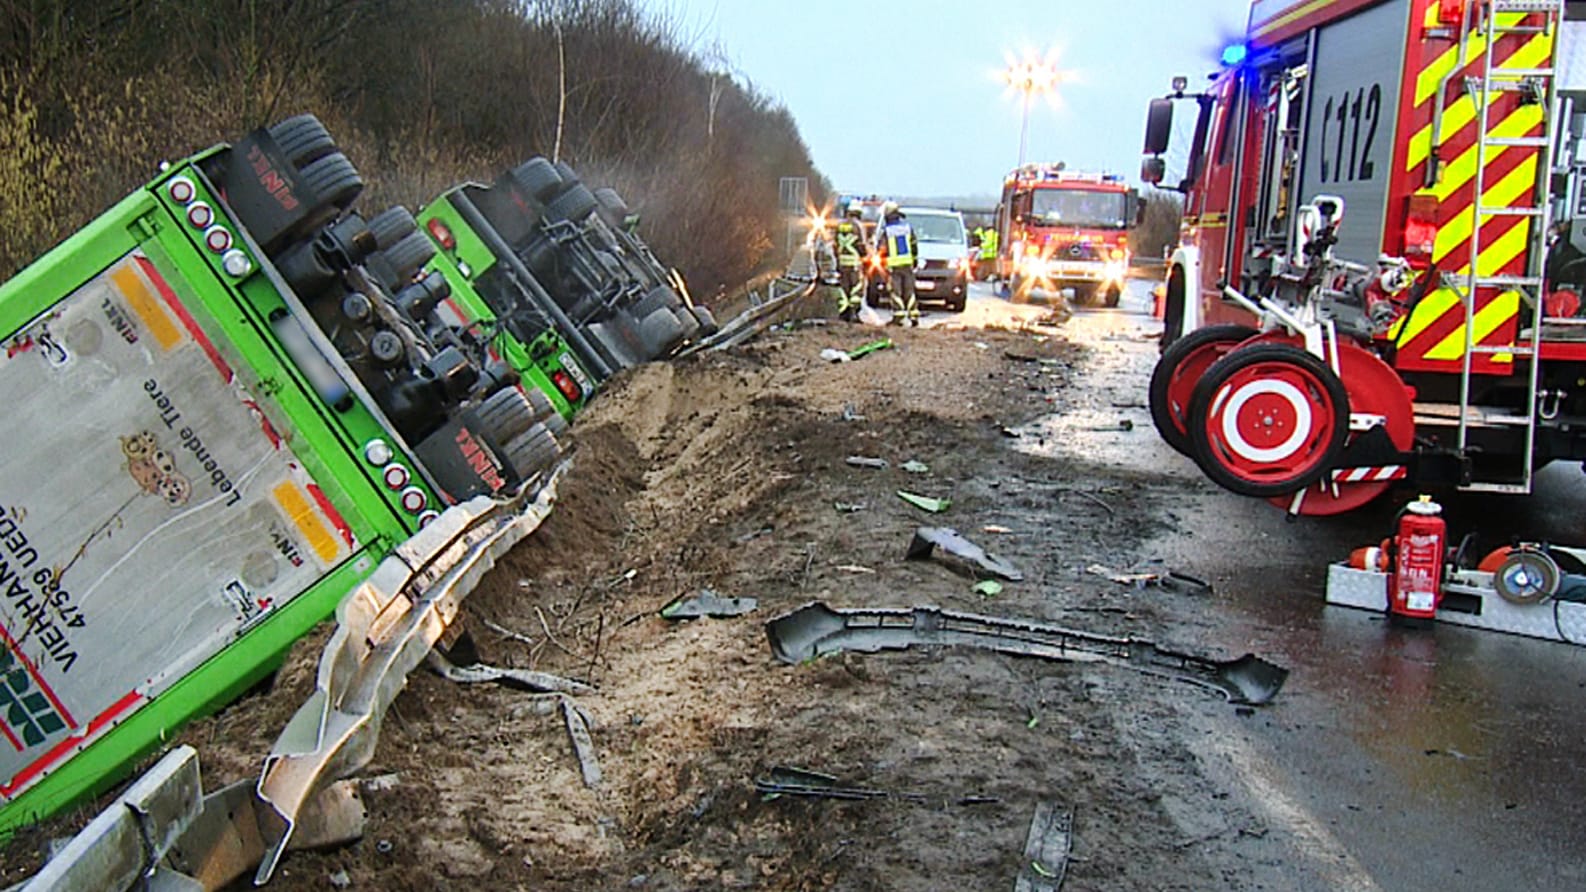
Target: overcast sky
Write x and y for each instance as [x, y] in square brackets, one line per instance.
[905, 98]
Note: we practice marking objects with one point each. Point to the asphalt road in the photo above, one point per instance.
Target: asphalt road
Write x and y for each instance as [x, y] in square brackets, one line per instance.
[1438, 759]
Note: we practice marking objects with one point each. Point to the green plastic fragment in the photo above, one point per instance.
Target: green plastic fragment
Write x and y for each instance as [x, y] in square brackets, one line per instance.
[988, 588]
[925, 503]
[867, 349]
[1041, 869]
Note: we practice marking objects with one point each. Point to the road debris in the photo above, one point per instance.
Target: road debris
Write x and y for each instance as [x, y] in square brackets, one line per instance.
[995, 528]
[925, 503]
[849, 507]
[816, 629]
[480, 673]
[855, 568]
[915, 467]
[1167, 580]
[1122, 424]
[1138, 580]
[754, 534]
[850, 413]
[1046, 849]
[833, 354]
[707, 603]
[927, 539]
[583, 745]
[788, 780]
[987, 588]
[865, 461]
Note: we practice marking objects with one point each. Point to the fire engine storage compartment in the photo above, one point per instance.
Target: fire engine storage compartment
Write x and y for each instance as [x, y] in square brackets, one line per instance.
[1468, 600]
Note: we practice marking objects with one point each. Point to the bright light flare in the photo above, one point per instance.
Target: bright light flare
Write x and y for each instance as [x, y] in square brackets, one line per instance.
[1034, 74]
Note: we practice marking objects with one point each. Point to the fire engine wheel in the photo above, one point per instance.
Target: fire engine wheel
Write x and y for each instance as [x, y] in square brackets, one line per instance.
[1113, 296]
[1374, 389]
[576, 204]
[409, 253]
[1019, 289]
[1173, 308]
[1267, 419]
[539, 178]
[1177, 372]
[332, 181]
[391, 225]
[302, 139]
[507, 413]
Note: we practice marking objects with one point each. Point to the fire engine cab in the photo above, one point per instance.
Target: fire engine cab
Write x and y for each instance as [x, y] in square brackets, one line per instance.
[1060, 229]
[1370, 285]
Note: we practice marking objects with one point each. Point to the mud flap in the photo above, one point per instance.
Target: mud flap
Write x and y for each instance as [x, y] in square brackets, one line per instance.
[816, 629]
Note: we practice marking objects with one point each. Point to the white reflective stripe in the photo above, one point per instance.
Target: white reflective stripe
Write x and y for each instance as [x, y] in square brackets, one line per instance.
[1251, 452]
[1370, 474]
[1360, 421]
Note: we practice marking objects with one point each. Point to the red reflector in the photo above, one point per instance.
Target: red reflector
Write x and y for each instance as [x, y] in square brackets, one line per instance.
[199, 215]
[414, 500]
[1449, 12]
[217, 239]
[441, 234]
[1420, 227]
[181, 190]
[565, 383]
[396, 476]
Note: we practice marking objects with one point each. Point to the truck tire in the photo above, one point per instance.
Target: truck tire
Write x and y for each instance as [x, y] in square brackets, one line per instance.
[575, 204]
[654, 299]
[612, 208]
[1113, 296]
[540, 402]
[302, 139]
[690, 323]
[332, 181]
[1263, 389]
[1180, 368]
[506, 414]
[622, 352]
[707, 320]
[1173, 308]
[556, 424]
[532, 451]
[539, 178]
[391, 225]
[408, 254]
[568, 175]
[660, 331]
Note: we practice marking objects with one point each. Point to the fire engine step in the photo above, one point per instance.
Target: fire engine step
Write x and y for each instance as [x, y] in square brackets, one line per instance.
[1447, 415]
[1471, 602]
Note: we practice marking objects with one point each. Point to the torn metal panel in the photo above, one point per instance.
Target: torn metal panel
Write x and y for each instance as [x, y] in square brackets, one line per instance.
[127, 841]
[477, 673]
[384, 628]
[816, 629]
[1046, 849]
[225, 842]
[755, 319]
[583, 745]
[952, 542]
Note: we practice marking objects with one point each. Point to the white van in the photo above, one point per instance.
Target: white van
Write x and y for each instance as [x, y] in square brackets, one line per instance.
[943, 271]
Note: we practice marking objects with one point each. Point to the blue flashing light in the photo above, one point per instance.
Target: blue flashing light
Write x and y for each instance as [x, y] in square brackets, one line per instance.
[1234, 54]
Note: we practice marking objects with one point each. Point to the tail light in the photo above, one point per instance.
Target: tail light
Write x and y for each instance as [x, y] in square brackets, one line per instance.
[565, 383]
[1450, 12]
[442, 234]
[1117, 254]
[1420, 229]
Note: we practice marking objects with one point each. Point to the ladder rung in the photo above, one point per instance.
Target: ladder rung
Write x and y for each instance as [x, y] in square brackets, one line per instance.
[1513, 489]
[1486, 211]
[1525, 6]
[1509, 282]
[1563, 320]
[1537, 141]
[1518, 74]
[1499, 349]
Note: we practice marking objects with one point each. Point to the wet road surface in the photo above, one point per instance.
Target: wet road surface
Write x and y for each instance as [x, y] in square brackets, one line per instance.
[1397, 759]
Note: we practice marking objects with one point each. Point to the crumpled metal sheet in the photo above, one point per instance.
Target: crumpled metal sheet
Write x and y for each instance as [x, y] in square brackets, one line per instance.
[1046, 849]
[707, 603]
[816, 629]
[384, 629]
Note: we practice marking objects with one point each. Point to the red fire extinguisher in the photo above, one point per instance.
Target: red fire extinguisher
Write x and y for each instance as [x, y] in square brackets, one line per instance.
[1415, 585]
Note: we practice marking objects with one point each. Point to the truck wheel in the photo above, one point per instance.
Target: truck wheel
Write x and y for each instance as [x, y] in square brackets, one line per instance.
[302, 139]
[660, 331]
[409, 253]
[567, 173]
[332, 181]
[655, 299]
[1180, 369]
[533, 451]
[707, 320]
[575, 204]
[1114, 296]
[507, 413]
[612, 207]
[391, 225]
[539, 178]
[556, 424]
[1267, 420]
[539, 402]
[622, 352]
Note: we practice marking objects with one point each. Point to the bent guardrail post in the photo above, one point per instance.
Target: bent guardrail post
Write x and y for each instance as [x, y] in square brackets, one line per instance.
[384, 628]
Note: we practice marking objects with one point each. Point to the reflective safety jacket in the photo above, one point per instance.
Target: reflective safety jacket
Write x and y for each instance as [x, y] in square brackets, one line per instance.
[988, 244]
[897, 239]
[851, 244]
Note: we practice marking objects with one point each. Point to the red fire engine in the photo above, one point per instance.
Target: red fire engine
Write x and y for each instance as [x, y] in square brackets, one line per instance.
[1061, 229]
[1365, 289]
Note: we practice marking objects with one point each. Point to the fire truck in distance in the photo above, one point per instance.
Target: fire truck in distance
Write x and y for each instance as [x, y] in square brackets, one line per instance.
[1365, 291]
[1060, 229]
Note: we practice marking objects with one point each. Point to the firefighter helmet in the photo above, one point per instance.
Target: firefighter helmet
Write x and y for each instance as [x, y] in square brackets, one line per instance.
[889, 208]
[855, 208]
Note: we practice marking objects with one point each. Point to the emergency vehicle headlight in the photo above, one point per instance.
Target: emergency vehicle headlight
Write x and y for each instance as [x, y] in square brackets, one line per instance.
[236, 263]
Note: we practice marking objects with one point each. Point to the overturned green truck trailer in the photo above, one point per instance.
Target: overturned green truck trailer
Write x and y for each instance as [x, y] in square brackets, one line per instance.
[230, 399]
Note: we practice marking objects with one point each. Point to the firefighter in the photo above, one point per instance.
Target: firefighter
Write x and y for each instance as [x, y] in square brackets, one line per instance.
[852, 251]
[988, 252]
[896, 238]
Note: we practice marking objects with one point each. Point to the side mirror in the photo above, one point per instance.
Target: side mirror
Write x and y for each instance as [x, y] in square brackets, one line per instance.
[1158, 126]
[1152, 170]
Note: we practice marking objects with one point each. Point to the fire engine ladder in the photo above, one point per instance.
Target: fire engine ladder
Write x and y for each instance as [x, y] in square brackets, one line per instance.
[1498, 18]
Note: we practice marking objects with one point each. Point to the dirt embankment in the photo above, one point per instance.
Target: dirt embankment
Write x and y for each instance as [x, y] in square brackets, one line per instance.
[724, 472]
